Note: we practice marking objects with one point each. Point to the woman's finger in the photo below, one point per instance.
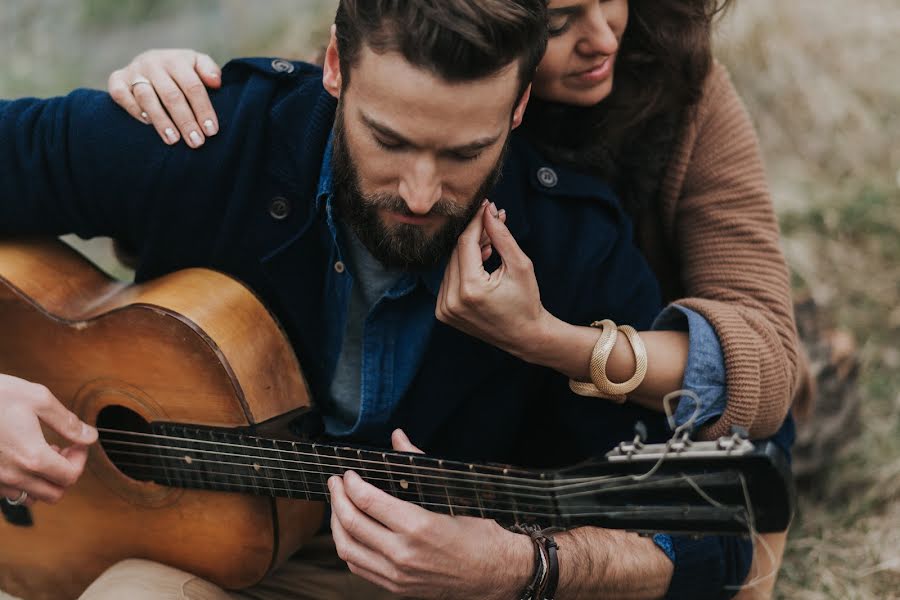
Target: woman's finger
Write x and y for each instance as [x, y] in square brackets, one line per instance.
[149, 102]
[120, 90]
[172, 98]
[195, 91]
[208, 71]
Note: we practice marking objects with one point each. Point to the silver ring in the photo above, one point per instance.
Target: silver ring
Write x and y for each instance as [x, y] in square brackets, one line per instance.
[139, 80]
[22, 498]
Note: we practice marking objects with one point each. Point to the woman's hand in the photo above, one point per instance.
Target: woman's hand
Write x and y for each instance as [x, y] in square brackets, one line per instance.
[502, 308]
[167, 88]
[30, 468]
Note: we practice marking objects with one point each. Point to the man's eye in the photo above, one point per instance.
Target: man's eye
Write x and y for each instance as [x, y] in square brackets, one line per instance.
[465, 157]
[393, 146]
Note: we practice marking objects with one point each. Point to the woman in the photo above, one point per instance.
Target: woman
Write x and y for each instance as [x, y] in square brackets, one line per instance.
[628, 91]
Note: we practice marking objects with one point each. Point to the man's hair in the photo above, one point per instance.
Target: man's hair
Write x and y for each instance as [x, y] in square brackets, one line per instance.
[457, 40]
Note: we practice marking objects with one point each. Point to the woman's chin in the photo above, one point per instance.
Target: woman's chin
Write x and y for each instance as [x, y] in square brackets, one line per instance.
[583, 97]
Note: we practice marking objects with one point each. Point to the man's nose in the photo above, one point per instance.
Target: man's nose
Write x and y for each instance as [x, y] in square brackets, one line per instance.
[420, 186]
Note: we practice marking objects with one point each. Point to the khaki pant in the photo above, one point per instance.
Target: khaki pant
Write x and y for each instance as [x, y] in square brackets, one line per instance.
[315, 572]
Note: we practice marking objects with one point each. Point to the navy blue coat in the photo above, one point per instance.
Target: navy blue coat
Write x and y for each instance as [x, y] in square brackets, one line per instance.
[244, 205]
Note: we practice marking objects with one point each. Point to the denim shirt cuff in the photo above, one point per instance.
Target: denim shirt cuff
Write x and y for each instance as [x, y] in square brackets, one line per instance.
[705, 371]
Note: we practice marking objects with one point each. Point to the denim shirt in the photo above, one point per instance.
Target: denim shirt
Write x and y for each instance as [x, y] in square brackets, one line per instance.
[385, 339]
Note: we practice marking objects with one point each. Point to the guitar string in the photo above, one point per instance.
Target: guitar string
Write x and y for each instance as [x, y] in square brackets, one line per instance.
[441, 489]
[442, 469]
[462, 476]
[585, 512]
[318, 456]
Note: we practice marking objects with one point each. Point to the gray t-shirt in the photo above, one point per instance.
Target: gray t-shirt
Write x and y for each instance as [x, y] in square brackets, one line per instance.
[371, 282]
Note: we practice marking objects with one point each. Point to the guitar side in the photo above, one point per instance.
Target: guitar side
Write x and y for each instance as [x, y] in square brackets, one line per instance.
[194, 346]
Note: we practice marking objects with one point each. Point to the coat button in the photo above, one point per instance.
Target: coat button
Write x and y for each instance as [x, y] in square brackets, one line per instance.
[279, 208]
[279, 65]
[547, 177]
[339, 267]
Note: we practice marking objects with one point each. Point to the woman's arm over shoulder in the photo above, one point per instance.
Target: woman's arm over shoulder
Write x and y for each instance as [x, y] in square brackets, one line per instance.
[718, 210]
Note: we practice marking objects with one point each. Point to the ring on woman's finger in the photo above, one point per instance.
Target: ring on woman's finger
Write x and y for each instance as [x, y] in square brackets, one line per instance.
[139, 80]
[22, 498]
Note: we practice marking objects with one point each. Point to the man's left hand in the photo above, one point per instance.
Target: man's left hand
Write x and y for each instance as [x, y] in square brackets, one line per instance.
[411, 551]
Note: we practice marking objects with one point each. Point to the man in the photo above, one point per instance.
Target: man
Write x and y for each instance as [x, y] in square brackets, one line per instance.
[342, 216]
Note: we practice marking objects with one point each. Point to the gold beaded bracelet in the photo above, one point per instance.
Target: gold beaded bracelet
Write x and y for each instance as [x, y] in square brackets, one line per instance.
[601, 386]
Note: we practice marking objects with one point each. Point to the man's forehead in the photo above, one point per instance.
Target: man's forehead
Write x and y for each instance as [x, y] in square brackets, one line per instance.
[415, 102]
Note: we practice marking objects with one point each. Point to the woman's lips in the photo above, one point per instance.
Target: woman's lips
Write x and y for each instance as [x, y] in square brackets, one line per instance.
[596, 74]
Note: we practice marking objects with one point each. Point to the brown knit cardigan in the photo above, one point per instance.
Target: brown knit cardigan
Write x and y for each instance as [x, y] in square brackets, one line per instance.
[713, 241]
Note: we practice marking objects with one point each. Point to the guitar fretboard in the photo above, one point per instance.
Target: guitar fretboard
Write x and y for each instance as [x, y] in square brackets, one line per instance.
[212, 459]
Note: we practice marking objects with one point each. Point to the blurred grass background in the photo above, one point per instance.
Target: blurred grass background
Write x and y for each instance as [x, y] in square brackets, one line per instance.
[821, 80]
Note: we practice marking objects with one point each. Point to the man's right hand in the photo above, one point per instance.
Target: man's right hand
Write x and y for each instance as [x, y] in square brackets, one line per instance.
[27, 462]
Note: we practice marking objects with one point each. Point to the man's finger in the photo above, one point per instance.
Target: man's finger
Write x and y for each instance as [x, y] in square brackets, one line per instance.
[37, 489]
[360, 526]
[401, 443]
[393, 513]
[56, 468]
[63, 421]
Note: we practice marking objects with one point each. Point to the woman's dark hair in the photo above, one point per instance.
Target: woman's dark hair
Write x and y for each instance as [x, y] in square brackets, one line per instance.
[663, 61]
[457, 40]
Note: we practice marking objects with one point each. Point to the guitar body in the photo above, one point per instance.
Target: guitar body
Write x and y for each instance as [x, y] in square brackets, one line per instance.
[194, 347]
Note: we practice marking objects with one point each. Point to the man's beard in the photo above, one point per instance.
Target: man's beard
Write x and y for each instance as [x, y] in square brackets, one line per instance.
[400, 246]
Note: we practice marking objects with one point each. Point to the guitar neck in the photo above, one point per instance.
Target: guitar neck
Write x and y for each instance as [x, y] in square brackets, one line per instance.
[203, 458]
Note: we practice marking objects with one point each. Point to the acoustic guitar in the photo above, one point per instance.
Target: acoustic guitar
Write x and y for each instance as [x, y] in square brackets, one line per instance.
[201, 463]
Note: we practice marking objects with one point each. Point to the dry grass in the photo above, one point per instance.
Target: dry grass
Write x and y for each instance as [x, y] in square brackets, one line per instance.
[821, 79]
[822, 82]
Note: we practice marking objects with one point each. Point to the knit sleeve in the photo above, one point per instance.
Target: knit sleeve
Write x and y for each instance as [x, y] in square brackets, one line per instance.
[722, 224]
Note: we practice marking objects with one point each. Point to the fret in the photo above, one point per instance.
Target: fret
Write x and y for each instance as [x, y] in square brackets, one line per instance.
[262, 467]
[211, 453]
[477, 494]
[390, 474]
[290, 474]
[234, 473]
[164, 442]
[415, 474]
[400, 474]
[322, 476]
[250, 470]
[447, 491]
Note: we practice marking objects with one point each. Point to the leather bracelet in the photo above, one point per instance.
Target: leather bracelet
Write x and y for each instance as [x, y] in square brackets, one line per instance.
[601, 387]
[546, 564]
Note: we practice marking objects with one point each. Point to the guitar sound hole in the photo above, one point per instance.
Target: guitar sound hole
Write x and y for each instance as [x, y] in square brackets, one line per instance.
[128, 443]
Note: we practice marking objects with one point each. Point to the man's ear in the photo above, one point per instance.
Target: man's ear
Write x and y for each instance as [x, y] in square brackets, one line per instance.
[519, 112]
[331, 76]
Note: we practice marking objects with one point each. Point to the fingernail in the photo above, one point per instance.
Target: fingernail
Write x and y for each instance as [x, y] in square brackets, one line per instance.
[170, 133]
[86, 430]
[145, 117]
[502, 212]
[195, 138]
[485, 201]
[209, 126]
[494, 209]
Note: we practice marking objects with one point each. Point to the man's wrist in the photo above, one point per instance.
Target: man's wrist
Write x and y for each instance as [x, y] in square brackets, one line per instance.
[518, 568]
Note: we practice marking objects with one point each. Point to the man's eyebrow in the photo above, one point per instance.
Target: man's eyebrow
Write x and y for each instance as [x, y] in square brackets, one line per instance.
[386, 131]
